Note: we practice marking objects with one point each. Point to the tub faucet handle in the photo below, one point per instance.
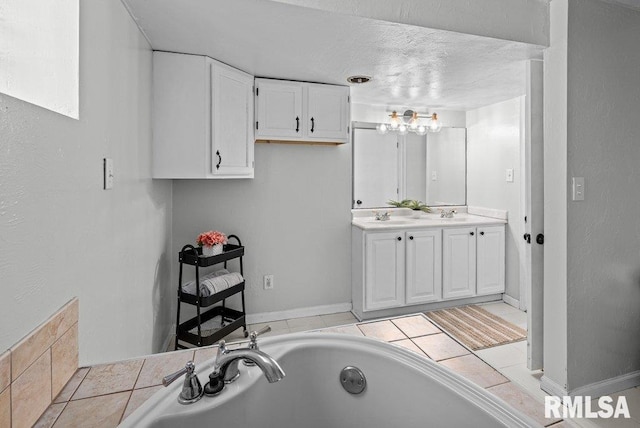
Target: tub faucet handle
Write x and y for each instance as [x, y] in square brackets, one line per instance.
[253, 342]
[191, 388]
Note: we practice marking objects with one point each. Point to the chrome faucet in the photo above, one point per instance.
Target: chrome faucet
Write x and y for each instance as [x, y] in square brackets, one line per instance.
[382, 216]
[226, 370]
[191, 388]
[447, 213]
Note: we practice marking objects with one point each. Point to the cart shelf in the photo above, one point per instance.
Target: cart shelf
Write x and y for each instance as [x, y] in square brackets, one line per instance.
[231, 319]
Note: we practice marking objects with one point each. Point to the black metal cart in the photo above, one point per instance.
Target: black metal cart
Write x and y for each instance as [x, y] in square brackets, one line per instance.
[230, 319]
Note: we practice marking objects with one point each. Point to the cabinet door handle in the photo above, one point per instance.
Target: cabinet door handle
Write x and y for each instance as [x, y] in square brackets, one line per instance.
[481, 233]
[313, 124]
[297, 124]
[411, 238]
[399, 238]
[471, 233]
[359, 202]
[219, 159]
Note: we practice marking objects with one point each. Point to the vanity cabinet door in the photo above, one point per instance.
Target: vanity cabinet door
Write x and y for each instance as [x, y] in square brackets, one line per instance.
[424, 266]
[490, 260]
[326, 112]
[232, 123]
[384, 270]
[278, 110]
[459, 262]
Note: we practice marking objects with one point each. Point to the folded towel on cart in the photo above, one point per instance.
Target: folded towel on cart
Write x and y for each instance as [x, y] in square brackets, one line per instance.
[214, 283]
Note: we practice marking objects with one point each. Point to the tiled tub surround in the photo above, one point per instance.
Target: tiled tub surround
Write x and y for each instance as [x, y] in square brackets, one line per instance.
[36, 369]
[102, 396]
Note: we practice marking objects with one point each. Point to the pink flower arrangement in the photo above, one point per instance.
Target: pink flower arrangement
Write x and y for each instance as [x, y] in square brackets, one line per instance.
[211, 238]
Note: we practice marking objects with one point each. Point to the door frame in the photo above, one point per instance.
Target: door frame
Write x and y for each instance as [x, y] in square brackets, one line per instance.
[531, 287]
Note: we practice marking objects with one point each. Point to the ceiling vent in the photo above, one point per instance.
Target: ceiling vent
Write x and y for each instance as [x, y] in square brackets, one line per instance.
[358, 79]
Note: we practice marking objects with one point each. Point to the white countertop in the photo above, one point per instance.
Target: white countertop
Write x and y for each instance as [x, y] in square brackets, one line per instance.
[426, 220]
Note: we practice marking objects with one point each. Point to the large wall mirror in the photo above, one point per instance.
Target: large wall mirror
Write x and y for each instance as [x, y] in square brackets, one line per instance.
[431, 168]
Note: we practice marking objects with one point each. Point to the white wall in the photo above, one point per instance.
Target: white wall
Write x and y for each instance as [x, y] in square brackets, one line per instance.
[603, 231]
[294, 218]
[61, 235]
[493, 145]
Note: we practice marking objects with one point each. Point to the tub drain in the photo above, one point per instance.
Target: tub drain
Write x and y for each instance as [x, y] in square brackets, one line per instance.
[352, 380]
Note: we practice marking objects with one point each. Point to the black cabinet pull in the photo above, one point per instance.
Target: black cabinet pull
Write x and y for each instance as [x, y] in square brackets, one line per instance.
[399, 238]
[297, 124]
[527, 237]
[313, 124]
[471, 233]
[411, 237]
[481, 233]
[359, 202]
[219, 159]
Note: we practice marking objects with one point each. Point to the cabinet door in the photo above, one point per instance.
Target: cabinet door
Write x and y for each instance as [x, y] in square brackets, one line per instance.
[326, 113]
[424, 266]
[279, 109]
[232, 122]
[384, 270]
[490, 260]
[459, 262]
[181, 114]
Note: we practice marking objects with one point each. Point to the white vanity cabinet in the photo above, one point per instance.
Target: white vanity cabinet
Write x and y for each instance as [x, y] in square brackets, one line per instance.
[398, 270]
[202, 118]
[384, 270]
[473, 261]
[459, 262]
[300, 111]
[423, 266]
[490, 260]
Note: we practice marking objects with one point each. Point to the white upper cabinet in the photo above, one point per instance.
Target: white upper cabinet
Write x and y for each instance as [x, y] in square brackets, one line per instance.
[279, 109]
[202, 118]
[298, 111]
[327, 112]
[232, 123]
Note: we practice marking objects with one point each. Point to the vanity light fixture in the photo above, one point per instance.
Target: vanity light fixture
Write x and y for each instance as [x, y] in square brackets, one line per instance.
[410, 122]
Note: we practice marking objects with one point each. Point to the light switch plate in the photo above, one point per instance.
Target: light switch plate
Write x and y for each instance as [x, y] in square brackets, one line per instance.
[108, 173]
[577, 184]
[509, 175]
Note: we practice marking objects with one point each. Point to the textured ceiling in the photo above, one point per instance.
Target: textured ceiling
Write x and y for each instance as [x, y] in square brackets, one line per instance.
[410, 65]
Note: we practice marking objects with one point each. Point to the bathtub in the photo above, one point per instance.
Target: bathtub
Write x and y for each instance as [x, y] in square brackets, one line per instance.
[402, 390]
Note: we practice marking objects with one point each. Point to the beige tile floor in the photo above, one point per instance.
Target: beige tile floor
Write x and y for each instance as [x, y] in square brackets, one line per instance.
[101, 396]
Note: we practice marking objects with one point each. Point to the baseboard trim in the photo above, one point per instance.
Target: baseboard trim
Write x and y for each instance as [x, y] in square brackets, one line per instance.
[552, 388]
[596, 389]
[511, 301]
[609, 386]
[298, 312]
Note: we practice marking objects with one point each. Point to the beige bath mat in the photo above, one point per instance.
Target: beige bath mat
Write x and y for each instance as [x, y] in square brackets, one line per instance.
[477, 328]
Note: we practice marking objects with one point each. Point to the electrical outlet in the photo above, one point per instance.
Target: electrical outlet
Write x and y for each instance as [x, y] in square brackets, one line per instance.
[268, 282]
